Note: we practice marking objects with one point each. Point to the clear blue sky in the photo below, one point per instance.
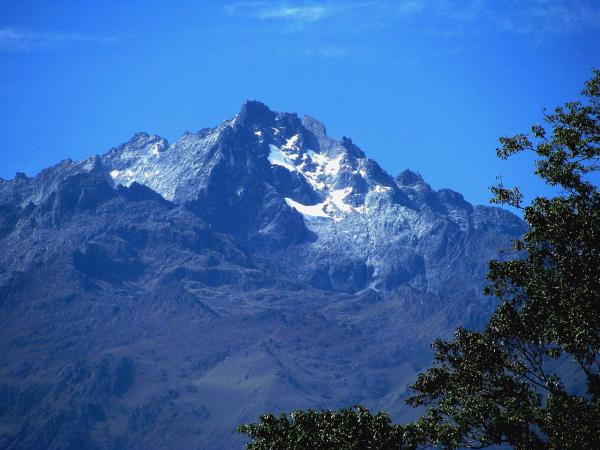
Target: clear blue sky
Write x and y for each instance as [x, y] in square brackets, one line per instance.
[426, 85]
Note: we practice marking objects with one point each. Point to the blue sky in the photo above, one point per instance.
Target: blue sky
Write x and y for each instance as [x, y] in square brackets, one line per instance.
[426, 85]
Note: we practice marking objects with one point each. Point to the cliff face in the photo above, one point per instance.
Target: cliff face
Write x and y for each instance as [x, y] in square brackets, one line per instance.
[159, 295]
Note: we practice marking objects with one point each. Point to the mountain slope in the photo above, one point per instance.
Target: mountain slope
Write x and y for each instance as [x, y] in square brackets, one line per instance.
[272, 179]
[159, 295]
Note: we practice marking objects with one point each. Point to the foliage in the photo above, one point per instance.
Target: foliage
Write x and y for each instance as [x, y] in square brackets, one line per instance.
[347, 429]
[502, 385]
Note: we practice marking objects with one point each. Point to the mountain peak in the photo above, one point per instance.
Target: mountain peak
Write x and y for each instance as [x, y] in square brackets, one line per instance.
[314, 126]
[408, 177]
[254, 112]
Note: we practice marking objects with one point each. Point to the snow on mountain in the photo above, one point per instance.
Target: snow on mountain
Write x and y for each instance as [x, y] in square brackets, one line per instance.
[317, 210]
[278, 182]
[337, 177]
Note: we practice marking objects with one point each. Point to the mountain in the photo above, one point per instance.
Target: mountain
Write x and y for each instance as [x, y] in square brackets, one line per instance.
[161, 294]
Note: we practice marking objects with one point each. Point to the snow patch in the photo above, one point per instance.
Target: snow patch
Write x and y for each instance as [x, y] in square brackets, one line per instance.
[320, 171]
[155, 150]
[318, 158]
[278, 158]
[381, 188]
[332, 166]
[308, 210]
[292, 143]
[121, 173]
[337, 198]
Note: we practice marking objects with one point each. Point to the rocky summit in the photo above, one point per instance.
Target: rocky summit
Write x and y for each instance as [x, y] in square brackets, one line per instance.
[159, 295]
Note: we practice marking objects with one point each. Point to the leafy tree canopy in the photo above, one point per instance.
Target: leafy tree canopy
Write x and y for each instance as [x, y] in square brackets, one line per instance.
[348, 429]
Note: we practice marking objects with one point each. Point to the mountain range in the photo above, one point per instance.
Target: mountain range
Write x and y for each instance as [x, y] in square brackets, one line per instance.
[159, 295]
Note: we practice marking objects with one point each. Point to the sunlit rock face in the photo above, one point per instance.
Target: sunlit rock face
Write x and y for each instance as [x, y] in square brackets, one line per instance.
[160, 294]
[279, 182]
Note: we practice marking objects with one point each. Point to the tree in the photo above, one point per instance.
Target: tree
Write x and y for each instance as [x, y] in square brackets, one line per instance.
[507, 384]
[503, 385]
[347, 429]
